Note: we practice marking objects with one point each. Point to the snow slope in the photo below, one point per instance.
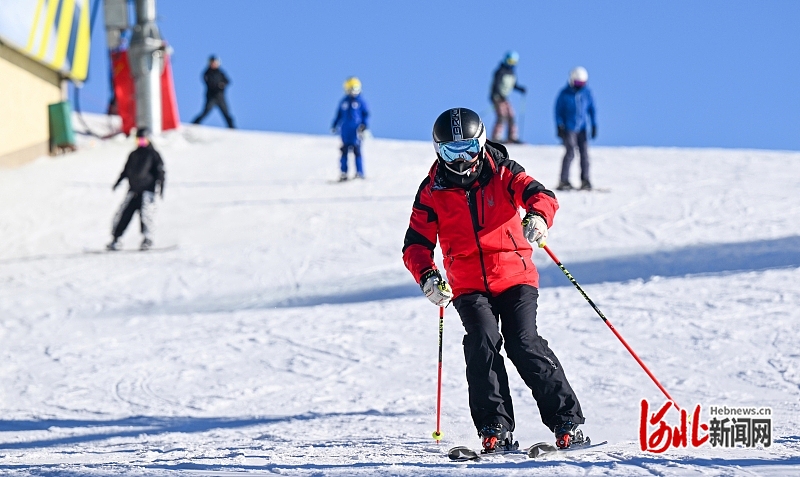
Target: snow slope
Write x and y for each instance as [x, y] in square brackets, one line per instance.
[285, 336]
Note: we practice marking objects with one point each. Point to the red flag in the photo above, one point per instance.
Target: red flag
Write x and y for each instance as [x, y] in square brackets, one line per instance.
[124, 90]
[169, 102]
[125, 93]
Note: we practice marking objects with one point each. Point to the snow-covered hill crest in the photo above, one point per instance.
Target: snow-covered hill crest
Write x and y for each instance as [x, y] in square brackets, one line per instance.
[283, 334]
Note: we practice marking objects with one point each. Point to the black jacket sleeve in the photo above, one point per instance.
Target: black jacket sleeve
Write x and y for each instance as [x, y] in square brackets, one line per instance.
[158, 171]
[496, 84]
[124, 172]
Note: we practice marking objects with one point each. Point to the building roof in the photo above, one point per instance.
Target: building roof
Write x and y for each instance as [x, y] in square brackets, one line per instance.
[12, 54]
[54, 33]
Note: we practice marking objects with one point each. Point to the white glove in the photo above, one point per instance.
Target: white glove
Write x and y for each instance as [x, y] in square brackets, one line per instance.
[535, 229]
[436, 288]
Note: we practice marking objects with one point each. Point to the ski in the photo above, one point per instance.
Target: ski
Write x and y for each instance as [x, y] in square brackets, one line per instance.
[536, 451]
[463, 453]
[542, 449]
[349, 179]
[601, 190]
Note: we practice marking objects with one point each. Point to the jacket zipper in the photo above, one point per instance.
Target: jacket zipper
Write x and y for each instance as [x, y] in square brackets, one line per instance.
[516, 249]
[483, 208]
[477, 240]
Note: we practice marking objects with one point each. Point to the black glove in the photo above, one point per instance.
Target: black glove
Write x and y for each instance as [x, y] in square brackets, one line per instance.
[362, 127]
[561, 132]
[594, 131]
[522, 89]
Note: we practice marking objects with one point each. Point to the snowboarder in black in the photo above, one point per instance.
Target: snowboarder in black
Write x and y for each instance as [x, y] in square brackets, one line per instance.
[145, 172]
[216, 82]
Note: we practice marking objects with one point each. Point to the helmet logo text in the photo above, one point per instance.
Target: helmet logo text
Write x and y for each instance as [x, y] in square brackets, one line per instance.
[455, 124]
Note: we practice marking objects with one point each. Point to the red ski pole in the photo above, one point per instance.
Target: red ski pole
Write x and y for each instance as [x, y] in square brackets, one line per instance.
[610, 326]
[437, 434]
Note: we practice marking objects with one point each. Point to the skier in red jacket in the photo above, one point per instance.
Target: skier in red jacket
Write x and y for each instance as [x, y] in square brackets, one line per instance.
[470, 202]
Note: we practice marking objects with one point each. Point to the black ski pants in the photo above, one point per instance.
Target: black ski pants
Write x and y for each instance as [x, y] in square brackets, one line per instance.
[217, 100]
[489, 395]
[575, 140]
[144, 203]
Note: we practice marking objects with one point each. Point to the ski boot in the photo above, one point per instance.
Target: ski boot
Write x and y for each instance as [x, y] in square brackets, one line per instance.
[146, 245]
[586, 185]
[496, 438]
[564, 186]
[343, 177]
[113, 246]
[568, 434]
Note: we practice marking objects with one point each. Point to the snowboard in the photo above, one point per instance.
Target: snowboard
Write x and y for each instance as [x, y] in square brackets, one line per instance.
[166, 248]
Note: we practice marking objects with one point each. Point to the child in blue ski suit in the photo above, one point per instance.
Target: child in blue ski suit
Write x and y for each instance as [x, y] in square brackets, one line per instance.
[351, 121]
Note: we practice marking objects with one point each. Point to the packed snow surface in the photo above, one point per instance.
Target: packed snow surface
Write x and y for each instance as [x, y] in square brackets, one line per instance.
[283, 334]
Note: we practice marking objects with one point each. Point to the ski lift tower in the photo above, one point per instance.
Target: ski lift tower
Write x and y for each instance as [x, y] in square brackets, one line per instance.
[147, 62]
[145, 54]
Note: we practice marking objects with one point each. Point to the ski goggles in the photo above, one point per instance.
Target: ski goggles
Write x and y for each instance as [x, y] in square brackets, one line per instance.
[466, 150]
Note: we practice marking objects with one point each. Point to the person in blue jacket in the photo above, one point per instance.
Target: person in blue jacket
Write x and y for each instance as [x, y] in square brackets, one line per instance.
[351, 122]
[574, 113]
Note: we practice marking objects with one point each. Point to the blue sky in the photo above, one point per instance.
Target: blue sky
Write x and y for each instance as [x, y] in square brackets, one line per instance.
[679, 73]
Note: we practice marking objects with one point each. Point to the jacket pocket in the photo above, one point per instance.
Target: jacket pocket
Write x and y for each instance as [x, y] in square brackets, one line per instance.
[516, 250]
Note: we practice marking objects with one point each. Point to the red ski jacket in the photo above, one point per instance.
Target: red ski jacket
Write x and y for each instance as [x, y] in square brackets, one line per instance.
[479, 229]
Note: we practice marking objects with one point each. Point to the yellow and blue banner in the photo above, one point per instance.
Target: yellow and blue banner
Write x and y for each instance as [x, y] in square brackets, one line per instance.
[54, 32]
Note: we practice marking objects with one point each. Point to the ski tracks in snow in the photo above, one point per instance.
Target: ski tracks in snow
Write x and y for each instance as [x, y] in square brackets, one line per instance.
[285, 336]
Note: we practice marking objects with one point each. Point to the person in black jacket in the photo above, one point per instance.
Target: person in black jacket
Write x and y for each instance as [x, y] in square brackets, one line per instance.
[216, 82]
[145, 172]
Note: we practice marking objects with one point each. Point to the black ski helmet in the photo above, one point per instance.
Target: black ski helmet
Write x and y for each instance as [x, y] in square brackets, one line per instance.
[459, 124]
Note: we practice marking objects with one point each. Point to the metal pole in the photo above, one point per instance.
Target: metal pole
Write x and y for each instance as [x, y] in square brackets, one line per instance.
[610, 326]
[437, 434]
[146, 55]
[522, 117]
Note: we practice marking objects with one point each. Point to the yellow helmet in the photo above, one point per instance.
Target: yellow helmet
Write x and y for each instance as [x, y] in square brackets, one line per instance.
[352, 86]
